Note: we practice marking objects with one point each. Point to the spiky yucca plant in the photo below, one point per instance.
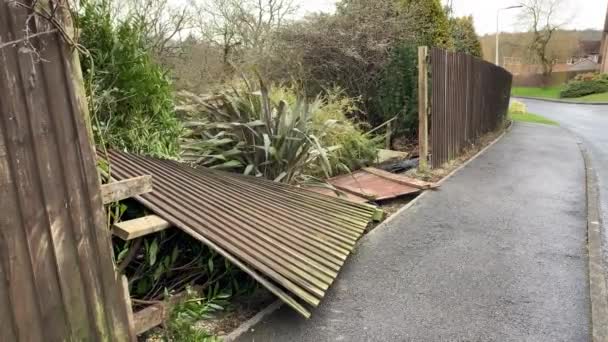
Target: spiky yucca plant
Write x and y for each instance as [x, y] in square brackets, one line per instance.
[246, 131]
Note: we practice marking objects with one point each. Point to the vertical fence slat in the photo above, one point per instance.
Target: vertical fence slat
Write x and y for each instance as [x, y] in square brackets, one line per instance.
[469, 98]
[423, 106]
[434, 105]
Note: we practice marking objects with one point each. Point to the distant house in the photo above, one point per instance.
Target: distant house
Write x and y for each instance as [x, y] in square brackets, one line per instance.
[586, 59]
[574, 65]
[604, 47]
[588, 52]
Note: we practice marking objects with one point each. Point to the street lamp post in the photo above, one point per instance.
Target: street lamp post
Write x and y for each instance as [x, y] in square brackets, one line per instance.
[498, 29]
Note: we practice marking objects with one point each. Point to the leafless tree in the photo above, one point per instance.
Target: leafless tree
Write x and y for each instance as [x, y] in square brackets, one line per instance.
[543, 18]
[243, 26]
[164, 23]
[216, 23]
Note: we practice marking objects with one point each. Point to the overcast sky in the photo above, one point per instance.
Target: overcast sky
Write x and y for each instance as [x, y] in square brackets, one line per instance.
[586, 13]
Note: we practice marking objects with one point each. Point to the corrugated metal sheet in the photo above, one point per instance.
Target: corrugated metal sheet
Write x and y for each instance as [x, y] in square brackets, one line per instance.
[371, 186]
[57, 280]
[295, 238]
[470, 97]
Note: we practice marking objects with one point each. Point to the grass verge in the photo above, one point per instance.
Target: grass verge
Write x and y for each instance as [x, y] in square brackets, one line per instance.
[534, 118]
[553, 94]
[546, 93]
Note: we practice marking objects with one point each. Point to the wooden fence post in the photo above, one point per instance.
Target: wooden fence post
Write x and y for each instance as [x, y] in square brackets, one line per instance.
[423, 98]
[389, 133]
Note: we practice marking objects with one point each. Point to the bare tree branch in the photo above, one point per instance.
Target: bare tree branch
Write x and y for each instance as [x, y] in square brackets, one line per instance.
[542, 18]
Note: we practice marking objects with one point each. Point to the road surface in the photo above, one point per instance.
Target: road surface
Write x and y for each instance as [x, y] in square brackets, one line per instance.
[590, 124]
[497, 254]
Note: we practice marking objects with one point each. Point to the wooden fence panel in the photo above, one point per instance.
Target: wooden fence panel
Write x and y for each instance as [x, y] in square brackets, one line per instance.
[469, 98]
[57, 278]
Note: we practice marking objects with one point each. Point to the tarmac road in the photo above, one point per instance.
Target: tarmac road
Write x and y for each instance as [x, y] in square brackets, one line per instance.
[590, 124]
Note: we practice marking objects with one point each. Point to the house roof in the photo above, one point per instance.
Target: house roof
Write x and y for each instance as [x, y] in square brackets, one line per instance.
[291, 240]
[589, 47]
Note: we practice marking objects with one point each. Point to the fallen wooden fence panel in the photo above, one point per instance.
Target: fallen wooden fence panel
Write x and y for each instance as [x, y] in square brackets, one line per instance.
[292, 241]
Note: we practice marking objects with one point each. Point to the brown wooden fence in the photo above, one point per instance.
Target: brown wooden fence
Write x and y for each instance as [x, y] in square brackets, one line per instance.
[469, 97]
[57, 279]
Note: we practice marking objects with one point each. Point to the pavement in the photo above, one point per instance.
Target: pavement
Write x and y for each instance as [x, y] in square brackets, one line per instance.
[497, 254]
[590, 124]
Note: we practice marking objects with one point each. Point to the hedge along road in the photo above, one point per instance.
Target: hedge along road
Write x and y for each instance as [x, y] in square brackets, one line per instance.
[590, 124]
[498, 253]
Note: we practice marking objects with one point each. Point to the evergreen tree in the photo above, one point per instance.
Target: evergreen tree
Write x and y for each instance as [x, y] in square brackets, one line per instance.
[464, 37]
[431, 22]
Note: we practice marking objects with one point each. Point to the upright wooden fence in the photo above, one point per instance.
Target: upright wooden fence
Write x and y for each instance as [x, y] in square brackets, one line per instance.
[57, 279]
[469, 97]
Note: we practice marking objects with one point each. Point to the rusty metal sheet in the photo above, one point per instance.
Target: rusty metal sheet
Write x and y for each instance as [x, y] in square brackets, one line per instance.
[57, 279]
[372, 186]
[289, 239]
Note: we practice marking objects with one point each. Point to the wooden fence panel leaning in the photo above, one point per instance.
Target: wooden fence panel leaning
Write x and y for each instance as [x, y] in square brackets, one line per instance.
[469, 98]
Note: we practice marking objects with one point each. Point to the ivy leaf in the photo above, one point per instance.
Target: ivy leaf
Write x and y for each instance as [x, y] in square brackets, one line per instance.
[122, 255]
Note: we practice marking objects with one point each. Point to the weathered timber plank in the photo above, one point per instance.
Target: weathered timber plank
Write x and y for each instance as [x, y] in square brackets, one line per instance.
[116, 191]
[131, 229]
[124, 283]
[156, 314]
[401, 179]
[149, 317]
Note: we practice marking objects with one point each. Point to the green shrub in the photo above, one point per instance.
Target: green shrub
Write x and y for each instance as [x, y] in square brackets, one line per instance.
[278, 134]
[357, 149]
[182, 323]
[130, 96]
[430, 20]
[583, 88]
[246, 131]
